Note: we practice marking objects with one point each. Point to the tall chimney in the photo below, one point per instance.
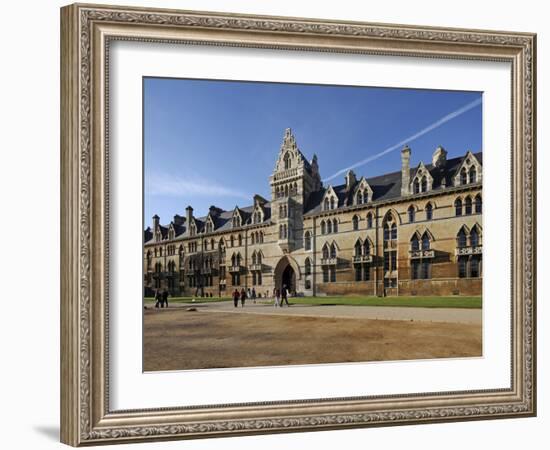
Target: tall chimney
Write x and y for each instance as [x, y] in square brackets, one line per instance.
[405, 170]
[155, 222]
[439, 157]
[188, 215]
[350, 180]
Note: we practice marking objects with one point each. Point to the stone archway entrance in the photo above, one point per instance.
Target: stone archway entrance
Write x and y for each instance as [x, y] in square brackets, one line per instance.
[287, 273]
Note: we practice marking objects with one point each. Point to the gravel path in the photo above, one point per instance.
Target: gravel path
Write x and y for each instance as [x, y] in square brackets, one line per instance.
[448, 315]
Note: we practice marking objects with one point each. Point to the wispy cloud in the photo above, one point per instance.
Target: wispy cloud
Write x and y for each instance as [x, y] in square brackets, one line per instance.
[410, 138]
[181, 186]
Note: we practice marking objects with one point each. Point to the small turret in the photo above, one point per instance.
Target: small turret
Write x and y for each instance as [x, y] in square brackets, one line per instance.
[405, 170]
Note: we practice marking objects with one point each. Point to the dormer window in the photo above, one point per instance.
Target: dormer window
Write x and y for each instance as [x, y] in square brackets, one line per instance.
[287, 161]
[468, 172]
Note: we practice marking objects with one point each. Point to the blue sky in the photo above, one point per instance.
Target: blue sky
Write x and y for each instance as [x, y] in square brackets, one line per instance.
[216, 142]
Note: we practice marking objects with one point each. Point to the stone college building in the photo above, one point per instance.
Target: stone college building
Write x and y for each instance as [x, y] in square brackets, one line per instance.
[417, 231]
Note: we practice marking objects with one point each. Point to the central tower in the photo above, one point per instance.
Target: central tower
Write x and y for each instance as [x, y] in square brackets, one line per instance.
[292, 182]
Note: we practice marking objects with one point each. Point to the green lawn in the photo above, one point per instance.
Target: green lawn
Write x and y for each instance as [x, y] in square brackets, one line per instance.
[418, 301]
[190, 299]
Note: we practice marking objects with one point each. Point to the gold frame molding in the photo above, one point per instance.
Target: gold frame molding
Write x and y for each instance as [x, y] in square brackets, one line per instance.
[86, 31]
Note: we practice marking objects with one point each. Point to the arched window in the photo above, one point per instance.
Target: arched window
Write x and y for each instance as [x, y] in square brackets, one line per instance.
[307, 240]
[333, 250]
[233, 260]
[287, 160]
[325, 251]
[365, 196]
[252, 238]
[410, 212]
[307, 267]
[323, 227]
[463, 176]
[357, 248]
[458, 207]
[332, 203]
[240, 238]
[425, 241]
[478, 204]
[286, 190]
[468, 206]
[461, 238]
[369, 220]
[326, 204]
[429, 211]
[474, 237]
[359, 198]
[366, 247]
[386, 232]
[424, 185]
[261, 237]
[221, 247]
[473, 174]
[415, 244]
[355, 222]
[335, 226]
[416, 186]
[280, 232]
[254, 258]
[258, 258]
[160, 251]
[329, 226]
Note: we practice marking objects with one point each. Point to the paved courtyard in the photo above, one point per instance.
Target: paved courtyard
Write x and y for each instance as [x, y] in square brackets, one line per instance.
[218, 335]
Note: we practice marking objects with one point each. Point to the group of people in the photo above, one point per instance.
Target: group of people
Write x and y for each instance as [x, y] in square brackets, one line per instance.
[280, 296]
[161, 298]
[242, 296]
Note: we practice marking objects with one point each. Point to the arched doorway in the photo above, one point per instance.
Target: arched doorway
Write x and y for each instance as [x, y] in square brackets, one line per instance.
[287, 272]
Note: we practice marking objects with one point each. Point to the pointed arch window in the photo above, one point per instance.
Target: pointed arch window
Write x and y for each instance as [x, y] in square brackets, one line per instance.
[429, 211]
[468, 206]
[474, 237]
[461, 238]
[416, 186]
[415, 243]
[366, 247]
[424, 185]
[335, 226]
[307, 240]
[307, 269]
[287, 160]
[329, 226]
[478, 204]
[458, 207]
[369, 220]
[326, 204]
[323, 227]
[333, 250]
[473, 174]
[425, 241]
[463, 176]
[332, 203]
[410, 212]
[359, 198]
[355, 222]
[357, 248]
[326, 251]
[393, 233]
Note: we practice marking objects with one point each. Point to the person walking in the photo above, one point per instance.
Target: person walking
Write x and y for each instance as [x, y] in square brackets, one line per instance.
[164, 299]
[243, 297]
[284, 296]
[254, 295]
[236, 297]
[277, 297]
[157, 298]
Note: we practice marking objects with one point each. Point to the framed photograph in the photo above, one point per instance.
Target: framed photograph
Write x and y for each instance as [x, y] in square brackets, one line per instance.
[276, 224]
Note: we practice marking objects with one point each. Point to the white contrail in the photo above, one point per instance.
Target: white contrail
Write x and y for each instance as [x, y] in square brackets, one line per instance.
[411, 138]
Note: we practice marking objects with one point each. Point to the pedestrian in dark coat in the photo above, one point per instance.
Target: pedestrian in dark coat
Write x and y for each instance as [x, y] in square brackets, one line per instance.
[158, 298]
[236, 297]
[165, 298]
[284, 296]
[243, 297]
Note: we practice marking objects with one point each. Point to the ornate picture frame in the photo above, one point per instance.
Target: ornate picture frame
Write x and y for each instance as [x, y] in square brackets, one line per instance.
[86, 34]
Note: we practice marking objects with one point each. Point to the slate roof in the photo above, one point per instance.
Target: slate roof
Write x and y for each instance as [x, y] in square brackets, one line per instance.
[388, 186]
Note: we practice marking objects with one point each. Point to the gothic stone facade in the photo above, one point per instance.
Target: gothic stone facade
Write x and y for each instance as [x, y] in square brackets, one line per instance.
[417, 231]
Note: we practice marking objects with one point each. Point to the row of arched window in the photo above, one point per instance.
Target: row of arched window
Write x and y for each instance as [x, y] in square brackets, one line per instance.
[256, 257]
[411, 212]
[468, 176]
[329, 251]
[330, 203]
[468, 206]
[356, 219]
[284, 231]
[286, 190]
[257, 237]
[283, 211]
[329, 226]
